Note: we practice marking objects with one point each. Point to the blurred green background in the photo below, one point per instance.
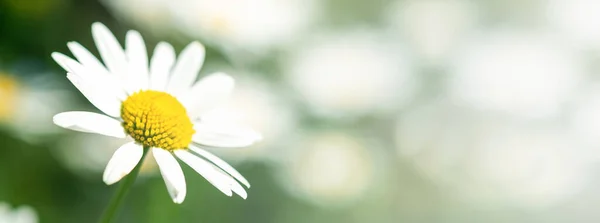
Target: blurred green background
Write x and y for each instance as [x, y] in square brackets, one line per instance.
[372, 111]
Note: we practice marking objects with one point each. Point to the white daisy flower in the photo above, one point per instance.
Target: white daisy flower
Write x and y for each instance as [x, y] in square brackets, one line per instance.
[251, 25]
[525, 74]
[23, 214]
[487, 159]
[331, 169]
[351, 73]
[28, 104]
[158, 104]
[434, 28]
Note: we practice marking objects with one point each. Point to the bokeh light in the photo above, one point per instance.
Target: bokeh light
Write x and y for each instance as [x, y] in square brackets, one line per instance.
[370, 111]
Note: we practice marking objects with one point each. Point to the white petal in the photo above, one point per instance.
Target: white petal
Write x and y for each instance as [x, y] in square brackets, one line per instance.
[111, 51]
[86, 58]
[224, 135]
[25, 214]
[70, 65]
[95, 72]
[221, 164]
[108, 104]
[89, 122]
[5, 210]
[87, 73]
[160, 66]
[171, 173]
[238, 189]
[90, 82]
[122, 162]
[208, 93]
[207, 170]
[76, 81]
[138, 61]
[186, 69]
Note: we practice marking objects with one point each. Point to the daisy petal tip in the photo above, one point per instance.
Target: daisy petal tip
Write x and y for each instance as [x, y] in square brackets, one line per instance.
[123, 161]
[164, 44]
[178, 198]
[56, 118]
[71, 44]
[242, 194]
[133, 33]
[98, 25]
[227, 191]
[64, 61]
[58, 57]
[55, 54]
[108, 181]
[238, 189]
[61, 120]
[110, 178]
[172, 174]
[197, 45]
[74, 46]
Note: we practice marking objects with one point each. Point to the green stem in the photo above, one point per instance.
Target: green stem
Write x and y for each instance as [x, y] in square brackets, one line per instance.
[117, 199]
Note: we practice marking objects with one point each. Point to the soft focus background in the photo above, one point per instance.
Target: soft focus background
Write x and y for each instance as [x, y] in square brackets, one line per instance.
[432, 111]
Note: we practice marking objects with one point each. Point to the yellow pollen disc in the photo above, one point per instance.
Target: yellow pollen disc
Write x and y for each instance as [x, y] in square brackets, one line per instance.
[8, 95]
[157, 119]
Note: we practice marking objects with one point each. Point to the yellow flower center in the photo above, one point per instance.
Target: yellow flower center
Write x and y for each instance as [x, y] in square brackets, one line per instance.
[157, 119]
[8, 95]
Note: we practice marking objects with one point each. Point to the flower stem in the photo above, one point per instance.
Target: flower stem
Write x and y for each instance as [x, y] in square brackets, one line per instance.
[117, 199]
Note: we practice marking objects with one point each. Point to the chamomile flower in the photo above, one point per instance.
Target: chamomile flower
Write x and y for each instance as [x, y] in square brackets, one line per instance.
[524, 74]
[330, 169]
[158, 105]
[326, 74]
[488, 159]
[248, 25]
[23, 214]
[28, 104]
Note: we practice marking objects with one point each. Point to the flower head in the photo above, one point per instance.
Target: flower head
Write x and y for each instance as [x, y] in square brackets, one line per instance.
[157, 119]
[375, 77]
[158, 105]
[8, 93]
[23, 214]
[26, 104]
[250, 25]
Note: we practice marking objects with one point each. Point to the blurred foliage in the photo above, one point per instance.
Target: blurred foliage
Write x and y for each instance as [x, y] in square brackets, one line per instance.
[33, 173]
